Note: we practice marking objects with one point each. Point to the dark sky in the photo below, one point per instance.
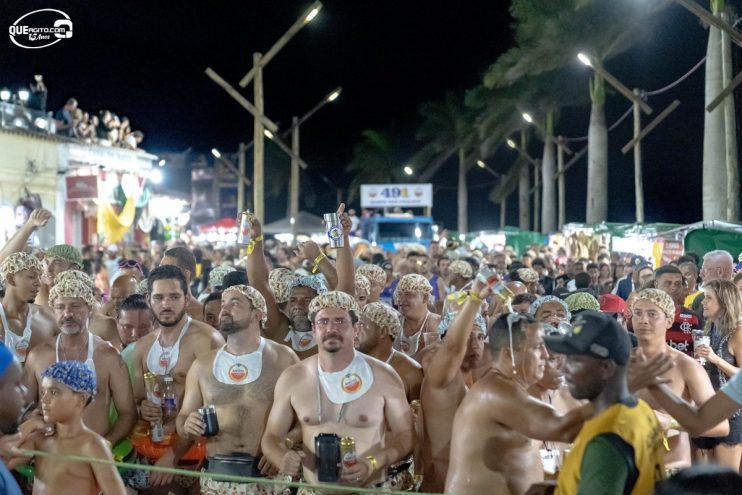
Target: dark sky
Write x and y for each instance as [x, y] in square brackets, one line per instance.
[146, 60]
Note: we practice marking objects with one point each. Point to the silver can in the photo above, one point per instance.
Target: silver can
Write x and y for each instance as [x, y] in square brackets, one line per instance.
[244, 233]
[334, 230]
[700, 339]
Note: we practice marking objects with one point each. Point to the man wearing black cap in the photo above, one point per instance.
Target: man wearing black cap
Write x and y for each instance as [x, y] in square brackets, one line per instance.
[618, 450]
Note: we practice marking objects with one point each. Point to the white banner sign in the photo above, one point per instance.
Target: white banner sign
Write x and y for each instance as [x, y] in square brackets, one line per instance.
[390, 195]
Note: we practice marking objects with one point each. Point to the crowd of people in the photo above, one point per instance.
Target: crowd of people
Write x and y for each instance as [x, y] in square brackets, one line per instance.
[105, 128]
[424, 369]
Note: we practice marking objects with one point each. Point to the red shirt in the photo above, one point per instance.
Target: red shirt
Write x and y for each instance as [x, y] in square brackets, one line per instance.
[680, 335]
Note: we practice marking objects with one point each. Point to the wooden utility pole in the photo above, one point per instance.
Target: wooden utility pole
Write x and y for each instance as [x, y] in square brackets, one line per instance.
[241, 175]
[638, 180]
[258, 139]
[561, 220]
[294, 185]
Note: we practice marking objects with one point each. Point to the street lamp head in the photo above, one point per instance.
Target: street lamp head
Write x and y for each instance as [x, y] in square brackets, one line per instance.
[510, 143]
[527, 117]
[480, 164]
[216, 153]
[161, 163]
[334, 95]
[155, 175]
[408, 170]
[584, 59]
[5, 94]
[268, 133]
[314, 10]
[24, 95]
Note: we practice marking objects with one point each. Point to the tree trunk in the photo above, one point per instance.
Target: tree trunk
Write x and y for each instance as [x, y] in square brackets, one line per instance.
[730, 128]
[714, 143]
[462, 194]
[597, 155]
[524, 188]
[548, 169]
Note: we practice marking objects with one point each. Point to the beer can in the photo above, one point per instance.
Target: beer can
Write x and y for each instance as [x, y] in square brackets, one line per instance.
[348, 452]
[211, 423]
[244, 234]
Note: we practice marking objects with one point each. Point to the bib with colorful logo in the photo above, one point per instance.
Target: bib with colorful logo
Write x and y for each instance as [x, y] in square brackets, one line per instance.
[301, 341]
[238, 370]
[349, 384]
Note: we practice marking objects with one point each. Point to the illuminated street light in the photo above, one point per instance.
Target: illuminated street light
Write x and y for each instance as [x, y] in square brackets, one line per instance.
[5, 94]
[408, 170]
[527, 117]
[161, 163]
[313, 13]
[334, 95]
[481, 164]
[216, 153]
[510, 143]
[268, 133]
[155, 175]
[584, 59]
[24, 95]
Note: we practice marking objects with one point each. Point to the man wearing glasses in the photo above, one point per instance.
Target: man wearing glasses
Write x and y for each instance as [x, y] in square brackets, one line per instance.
[717, 265]
[342, 392]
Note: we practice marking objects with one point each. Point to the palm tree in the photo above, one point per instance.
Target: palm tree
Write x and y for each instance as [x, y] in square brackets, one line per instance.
[719, 130]
[376, 160]
[550, 34]
[448, 130]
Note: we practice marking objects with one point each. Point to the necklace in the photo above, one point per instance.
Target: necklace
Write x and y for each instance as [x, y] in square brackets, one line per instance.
[77, 352]
[389, 359]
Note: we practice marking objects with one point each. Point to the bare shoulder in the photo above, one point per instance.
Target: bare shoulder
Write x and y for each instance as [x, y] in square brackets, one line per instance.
[104, 348]
[407, 363]
[202, 329]
[284, 354]
[43, 313]
[383, 372]
[205, 360]
[297, 373]
[44, 348]
[93, 445]
[434, 320]
[144, 344]
[685, 363]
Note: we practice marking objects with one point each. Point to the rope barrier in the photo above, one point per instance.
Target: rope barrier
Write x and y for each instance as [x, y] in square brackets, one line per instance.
[333, 488]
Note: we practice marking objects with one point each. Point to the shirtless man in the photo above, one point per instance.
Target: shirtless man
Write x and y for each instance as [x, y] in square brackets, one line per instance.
[57, 259]
[653, 312]
[379, 326]
[72, 302]
[363, 289]
[170, 350]
[183, 258]
[491, 447]
[377, 276]
[411, 297]
[343, 392]
[122, 287]
[238, 380]
[67, 388]
[24, 324]
[550, 310]
[447, 375]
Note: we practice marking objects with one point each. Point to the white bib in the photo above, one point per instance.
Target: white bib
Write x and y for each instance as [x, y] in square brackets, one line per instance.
[238, 370]
[349, 384]
[162, 360]
[17, 344]
[301, 341]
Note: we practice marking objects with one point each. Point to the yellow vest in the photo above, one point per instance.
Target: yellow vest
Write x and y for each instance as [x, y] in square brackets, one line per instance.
[638, 427]
[690, 298]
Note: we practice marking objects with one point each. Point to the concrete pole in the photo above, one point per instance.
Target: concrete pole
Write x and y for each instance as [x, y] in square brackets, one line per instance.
[294, 188]
[638, 180]
[503, 205]
[560, 184]
[536, 199]
[258, 136]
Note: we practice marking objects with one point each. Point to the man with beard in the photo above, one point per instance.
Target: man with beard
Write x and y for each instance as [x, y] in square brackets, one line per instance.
[550, 310]
[379, 326]
[239, 380]
[57, 259]
[447, 375]
[72, 303]
[491, 448]
[183, 258]
[292, 327]
[14, 396]
[341, 392]
[411, 297]
[24, 324]
[171, 350]
[99, 324]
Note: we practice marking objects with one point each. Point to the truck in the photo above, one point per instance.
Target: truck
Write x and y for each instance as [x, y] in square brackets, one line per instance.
[394, 232]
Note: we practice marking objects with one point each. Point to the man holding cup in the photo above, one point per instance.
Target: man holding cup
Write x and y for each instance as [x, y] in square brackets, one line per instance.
[239, 380]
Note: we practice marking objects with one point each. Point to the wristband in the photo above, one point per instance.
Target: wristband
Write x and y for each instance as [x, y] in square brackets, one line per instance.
[475, 298]
[253, 241]
[316, 262]
[374, 463]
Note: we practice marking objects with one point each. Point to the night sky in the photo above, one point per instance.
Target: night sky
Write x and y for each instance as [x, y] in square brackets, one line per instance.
[146, 60]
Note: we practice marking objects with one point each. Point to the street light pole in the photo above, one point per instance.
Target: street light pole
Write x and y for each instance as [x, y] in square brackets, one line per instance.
[258, 139]
[241, 174]
[597, 67]
[638, 180]
[294, 185]
[561, 217]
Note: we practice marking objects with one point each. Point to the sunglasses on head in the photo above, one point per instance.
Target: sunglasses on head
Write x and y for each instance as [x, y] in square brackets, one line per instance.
[129, 264]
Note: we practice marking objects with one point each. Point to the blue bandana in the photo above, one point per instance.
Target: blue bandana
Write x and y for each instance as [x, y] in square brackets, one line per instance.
[449, 317]
[6, 358]
[75, 375]
[311, 281]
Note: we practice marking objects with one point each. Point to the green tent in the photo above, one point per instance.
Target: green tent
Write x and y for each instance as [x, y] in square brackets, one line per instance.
[703, 237]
